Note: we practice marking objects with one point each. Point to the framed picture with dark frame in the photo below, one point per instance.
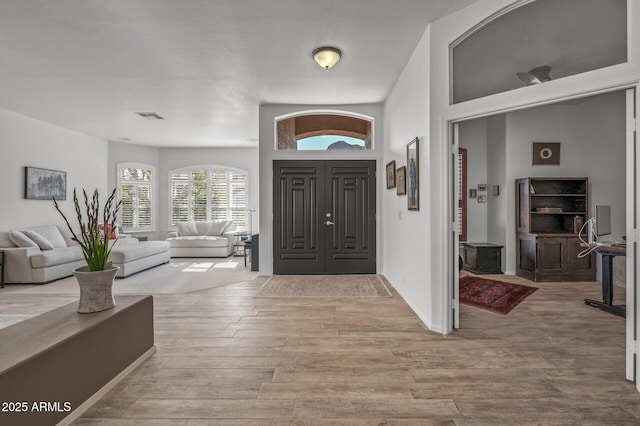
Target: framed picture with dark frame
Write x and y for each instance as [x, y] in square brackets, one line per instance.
[391, 174]
[545, 154]
[401, 181]
[44, 184]
[413, 175]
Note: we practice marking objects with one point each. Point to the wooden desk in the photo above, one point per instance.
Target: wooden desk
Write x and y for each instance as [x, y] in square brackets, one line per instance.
[608, 252]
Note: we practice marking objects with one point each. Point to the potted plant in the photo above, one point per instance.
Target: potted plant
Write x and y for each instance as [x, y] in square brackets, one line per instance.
[96, 278]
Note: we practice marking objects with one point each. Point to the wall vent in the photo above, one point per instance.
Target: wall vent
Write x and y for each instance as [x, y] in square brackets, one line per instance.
[150, 115]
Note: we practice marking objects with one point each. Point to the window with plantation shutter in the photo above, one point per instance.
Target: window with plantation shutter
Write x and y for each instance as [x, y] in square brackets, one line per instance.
[209, 193]
[135, 186]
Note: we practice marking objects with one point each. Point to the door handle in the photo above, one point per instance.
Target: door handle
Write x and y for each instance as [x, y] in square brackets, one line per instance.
[329, 223]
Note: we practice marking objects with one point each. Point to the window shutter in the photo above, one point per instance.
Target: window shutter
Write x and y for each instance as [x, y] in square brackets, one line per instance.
[136, 194]
[219, 195]
[209, 194]
[179, 197]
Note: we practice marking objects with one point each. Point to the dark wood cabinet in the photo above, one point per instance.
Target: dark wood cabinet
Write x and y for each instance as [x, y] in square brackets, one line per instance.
[482, 258]
[549, 215]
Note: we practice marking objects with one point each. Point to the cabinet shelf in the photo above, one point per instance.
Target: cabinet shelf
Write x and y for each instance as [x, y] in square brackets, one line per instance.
[547, 243]
[558, 195]
[561, 213]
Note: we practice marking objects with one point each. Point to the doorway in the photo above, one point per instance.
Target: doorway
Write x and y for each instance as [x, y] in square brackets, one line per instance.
[324, 217]
[604, 163]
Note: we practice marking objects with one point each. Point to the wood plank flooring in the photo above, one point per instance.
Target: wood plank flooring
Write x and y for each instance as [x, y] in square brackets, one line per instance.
[225, 357]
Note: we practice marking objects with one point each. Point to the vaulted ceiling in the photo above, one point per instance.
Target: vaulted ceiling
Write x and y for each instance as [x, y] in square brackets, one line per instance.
[203, 65]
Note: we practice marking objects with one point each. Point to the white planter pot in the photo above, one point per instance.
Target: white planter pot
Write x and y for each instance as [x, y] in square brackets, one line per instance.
[95, 289]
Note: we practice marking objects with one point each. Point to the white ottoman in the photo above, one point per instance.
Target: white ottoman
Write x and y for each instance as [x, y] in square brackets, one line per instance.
[132, 258]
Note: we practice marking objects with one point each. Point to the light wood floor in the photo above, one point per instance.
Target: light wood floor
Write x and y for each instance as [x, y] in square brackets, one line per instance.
[225, 357]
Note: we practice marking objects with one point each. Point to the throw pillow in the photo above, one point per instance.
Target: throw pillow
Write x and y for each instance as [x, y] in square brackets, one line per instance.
[19, 239]
[51, 233]
[217, 228]
[113, 232]
[41, 241]
[186, 228]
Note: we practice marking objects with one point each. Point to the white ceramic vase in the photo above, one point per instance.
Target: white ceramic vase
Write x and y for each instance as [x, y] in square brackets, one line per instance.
[95, 289]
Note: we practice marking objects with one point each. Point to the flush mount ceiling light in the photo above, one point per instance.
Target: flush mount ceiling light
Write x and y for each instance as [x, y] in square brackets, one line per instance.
[327, 56]
[535, 76]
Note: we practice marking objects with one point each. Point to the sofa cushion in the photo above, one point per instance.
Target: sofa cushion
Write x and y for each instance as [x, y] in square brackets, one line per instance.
[20, 239]
[199, 241]
[202, 226]
[41, 241]
[218, 227]
[51, 233]
[129, 252]
[59, 256]
[186, 228]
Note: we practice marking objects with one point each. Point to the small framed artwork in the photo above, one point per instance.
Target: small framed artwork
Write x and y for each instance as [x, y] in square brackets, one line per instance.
[546, 154]
[482, 198]
[391, 174]
[401, 181]
[473, 193]
[413, 175]
[496, 190]
[44, 184]
[482, 187]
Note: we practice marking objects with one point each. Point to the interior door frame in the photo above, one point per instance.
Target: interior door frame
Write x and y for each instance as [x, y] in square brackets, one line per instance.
[632, 217]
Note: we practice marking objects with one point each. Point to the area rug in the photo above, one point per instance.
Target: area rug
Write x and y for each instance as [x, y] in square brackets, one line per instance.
[493, 295]
[324, 286]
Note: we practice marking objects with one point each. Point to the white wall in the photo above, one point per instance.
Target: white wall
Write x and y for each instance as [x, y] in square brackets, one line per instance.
[268, 153]
[473, 137]
[497, 206]
[29, 142]
[592, 136]
[406, 252]
[166, 160]
[429, 287]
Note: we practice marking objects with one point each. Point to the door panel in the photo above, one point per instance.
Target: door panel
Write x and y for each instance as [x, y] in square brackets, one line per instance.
[298, 237]
[324, 217]
[351, 204]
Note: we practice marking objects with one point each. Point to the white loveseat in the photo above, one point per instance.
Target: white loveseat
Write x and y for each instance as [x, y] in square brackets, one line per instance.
[42, 254]
[202, 239]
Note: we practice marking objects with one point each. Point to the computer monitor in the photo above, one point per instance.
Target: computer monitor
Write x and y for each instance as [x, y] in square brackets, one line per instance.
[603, 220]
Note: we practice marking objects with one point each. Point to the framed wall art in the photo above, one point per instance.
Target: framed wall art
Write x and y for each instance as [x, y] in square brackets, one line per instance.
[44, 184]
[546, 154]
[413, 175]
[401, 181]
[391, 174]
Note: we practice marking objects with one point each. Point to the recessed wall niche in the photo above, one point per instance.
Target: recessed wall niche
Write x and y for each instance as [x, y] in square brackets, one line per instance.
[319, 132]
[507, 51]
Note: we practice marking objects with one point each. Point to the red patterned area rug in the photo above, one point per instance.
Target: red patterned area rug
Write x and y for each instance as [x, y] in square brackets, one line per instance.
[495, 296]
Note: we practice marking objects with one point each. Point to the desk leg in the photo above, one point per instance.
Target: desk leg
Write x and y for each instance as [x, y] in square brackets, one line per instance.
[607, 289]
[607, 279]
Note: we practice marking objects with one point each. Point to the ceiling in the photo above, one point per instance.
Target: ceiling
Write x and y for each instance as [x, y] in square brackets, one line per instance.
[203, 65]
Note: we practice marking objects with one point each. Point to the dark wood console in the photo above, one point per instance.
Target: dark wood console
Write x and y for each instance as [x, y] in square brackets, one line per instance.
[50, 365]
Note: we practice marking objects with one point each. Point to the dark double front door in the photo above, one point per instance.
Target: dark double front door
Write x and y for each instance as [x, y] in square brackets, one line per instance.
[324, 217]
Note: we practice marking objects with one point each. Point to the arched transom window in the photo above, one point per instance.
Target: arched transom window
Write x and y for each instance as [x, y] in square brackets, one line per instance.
[319, 132]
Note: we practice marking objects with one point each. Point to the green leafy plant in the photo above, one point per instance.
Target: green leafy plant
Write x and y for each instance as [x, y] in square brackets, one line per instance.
[95, 242]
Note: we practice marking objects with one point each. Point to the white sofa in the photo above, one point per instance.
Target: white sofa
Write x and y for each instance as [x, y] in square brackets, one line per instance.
[202, 239]
[42, 254]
